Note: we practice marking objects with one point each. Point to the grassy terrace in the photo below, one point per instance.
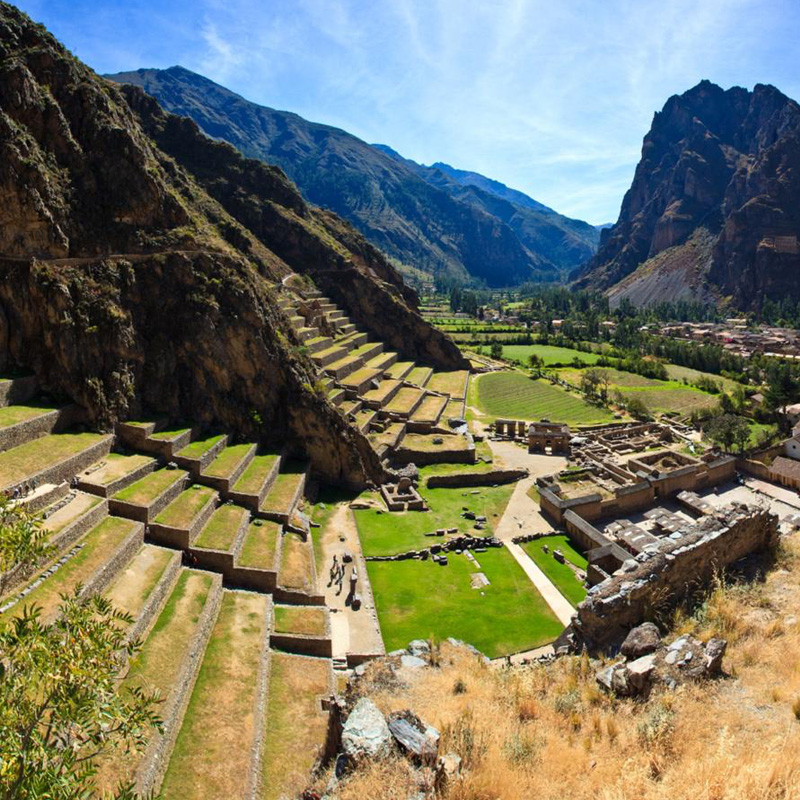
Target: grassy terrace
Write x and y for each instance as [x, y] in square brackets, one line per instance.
[221, 709]
[285, 487]
[74, 509]
[550, 355]
[516, 396]
[13, 415]
[155, 667]
[147, 489]
[98, 546]
[294, 725]
[388, 436]
[303, 620]
[183, 510]
[296, 569]
[260, 545]
[360, 375]
[404, 400]
[199, 447]
[420, 599]
[399, 369]
[424, 442]
[430, 408]
[228, 460]
[380, 394]
[133, 587]
[116, 466]
[219, 533]
[30, 458]
[419, 375]
[256, 472]
[169, 433]
[451, 383]
[388, 534]
[560, 574]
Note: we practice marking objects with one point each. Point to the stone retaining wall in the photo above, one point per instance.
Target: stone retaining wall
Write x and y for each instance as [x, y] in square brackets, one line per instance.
[150, 610]
[407, 455]
[122, 508]
[156, 757]
[319, 646]
[18, 390]
[122, 555]
[120, 483]
[72, 532]
[254, 501]
[257, 580]
[66, 469]
[660, 581]
[41, 499]
[495, 476]
[224, 485]
[292, 597]
[57, 419]
[196, 465]
[182, 538]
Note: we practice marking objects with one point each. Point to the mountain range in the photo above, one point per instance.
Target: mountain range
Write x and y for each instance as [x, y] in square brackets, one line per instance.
[430, 220]
[713, 212]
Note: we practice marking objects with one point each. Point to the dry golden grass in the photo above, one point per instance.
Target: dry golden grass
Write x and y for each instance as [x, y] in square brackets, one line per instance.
[549, 733]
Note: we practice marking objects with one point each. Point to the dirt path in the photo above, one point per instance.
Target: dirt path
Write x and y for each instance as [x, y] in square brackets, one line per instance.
[352, 631]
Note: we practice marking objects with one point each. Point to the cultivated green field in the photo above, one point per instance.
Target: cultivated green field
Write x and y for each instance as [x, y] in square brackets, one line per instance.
[550, 354]
[420, 599]
[560, 574]
[516, 396]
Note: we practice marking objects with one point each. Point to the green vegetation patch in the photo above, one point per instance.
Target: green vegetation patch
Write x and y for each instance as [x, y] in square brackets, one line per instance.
[404, 401]
[13, 415]
[551, 355]
[451, 383]
[561, 575]
[419, 375]
[514, 395]
[260, 545]
[284, 490]
[30, 458]
[424, 442]
[399, 369]
[199, 447]
[256, 472]
[183, 510]
[219, 533]
[302, 620]
[117, 466]
[384, 534]
[147, 489]
[169, 433]
[421, 599]
[225, 464]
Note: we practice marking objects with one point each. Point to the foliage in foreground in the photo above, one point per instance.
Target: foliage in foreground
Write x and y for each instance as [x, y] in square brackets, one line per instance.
[59, 705]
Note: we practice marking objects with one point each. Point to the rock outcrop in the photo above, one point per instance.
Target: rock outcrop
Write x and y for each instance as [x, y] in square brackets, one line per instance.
[713, 209]
[138, 277]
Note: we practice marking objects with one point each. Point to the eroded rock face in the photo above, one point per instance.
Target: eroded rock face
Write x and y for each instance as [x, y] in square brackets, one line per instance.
[366, 734]
[726, 162]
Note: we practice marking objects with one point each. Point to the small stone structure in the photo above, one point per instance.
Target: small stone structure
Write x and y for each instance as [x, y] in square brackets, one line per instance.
[402, 496]
[545, 435]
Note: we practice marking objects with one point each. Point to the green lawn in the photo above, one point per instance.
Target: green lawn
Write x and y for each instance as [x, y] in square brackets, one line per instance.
[199, 447]
[183, 510]
[420, 599]
[551, 355]
[30, 458]
[560, 574]
[516, 396]
[260, 545]
[390, 533]
[147, 489]
[219, 533]
[226, 462]
[255, 473]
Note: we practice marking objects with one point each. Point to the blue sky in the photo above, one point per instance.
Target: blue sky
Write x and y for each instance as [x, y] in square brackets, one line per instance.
[550, 97]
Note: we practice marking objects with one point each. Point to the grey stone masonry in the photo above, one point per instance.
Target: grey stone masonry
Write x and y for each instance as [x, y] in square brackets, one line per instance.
[18, 390]
[72, 532]
[182, 538]
[149, 613]
[197, 465]
[106, 490]
[254, 501]
[224, 485]
[122, 555]
[47, 422]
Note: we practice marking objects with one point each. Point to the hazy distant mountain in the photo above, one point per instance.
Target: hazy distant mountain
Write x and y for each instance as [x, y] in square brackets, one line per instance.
[714, 207]
[446, 228]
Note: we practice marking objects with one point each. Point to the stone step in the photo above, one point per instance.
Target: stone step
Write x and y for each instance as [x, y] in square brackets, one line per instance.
[336, 395]
[227, 705]
[53, 458]
[22, 423]
[297, 322]
[195, 457]
[350, 407]
[256, 560]
[354, 340]
[257, 479]
[347, 328]
[429, 411]
[92, 563]
[305, 334]
[216, 544]
[223, 472]
[178, 524]
[302, 629]
[166, 442]
[405, 402]
[388, 439]
[368, 351]
[364, 419]
[400, 369]
[419, 376]
[167, 663]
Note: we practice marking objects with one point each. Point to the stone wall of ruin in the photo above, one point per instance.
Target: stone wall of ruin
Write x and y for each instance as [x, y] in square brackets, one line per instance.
[658, 582]
[490, 478]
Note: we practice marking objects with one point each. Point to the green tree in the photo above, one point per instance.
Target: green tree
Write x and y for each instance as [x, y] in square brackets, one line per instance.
[727, 429]
[59, 704]
[23, 543]
[637, 408]
[496, 350]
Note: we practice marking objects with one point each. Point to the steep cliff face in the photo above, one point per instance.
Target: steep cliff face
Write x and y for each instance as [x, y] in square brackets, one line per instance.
[431, 227]
[129, 289]
[718, 164]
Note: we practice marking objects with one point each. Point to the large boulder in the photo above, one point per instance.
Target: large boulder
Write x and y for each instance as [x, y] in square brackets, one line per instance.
[414, 736]
[715, 650]
[642, 640]
[366, 734]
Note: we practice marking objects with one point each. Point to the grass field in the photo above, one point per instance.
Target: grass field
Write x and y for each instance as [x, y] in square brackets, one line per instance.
[560, 574]
[677, 373]
[169, 433]
[388, 534]
[451, 383]
[116, 466]
[514, 395]
[285, 488]
[418, 600]
[183, 510]
[550, 355]
[132, 588]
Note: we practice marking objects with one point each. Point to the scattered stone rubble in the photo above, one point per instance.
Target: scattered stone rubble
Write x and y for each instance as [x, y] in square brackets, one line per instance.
[648, 661]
